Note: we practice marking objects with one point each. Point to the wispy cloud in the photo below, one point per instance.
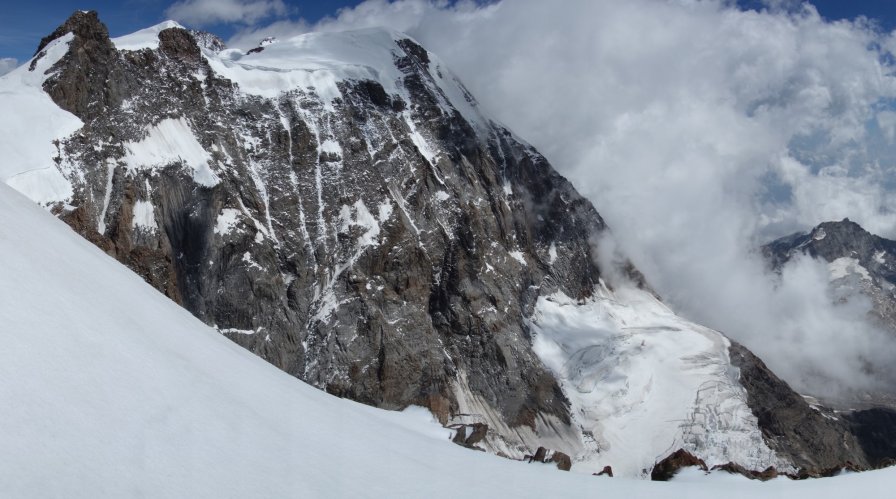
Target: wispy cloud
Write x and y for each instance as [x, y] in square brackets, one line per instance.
[210, 12]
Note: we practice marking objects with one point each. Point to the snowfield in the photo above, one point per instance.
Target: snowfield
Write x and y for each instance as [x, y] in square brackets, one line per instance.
[110, 389]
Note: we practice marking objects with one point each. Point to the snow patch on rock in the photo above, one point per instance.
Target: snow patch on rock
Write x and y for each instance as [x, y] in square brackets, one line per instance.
[846, 266]
[518, 256]
[144, 216]
[171, 141]
[226, 221]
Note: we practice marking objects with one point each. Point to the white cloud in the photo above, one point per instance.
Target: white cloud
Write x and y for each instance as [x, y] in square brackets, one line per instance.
[699, 131]
[7, 64]
[208, 12]
[249, 36]
[886, 120]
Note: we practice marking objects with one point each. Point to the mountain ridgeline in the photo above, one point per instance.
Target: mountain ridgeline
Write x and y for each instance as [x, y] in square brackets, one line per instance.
[340, 206]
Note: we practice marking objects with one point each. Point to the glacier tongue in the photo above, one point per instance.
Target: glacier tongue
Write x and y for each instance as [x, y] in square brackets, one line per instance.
[644, 382]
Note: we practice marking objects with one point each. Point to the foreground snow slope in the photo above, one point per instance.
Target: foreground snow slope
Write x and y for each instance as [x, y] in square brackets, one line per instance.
[111, 390]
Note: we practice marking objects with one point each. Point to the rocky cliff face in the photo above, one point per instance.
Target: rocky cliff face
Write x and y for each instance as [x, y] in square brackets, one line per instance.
[339, 205]
[362, 234]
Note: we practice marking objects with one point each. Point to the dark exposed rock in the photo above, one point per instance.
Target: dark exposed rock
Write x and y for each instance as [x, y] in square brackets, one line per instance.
[87, 81]
[664, 470]
[608, 471]
[736, 469]
[564, 463]
[826, 472]
[254, 50]
[85, 25]
[179, 44]
[886, 463]
[539, 456]
[468, 435]
[810, 439]
[875, 429]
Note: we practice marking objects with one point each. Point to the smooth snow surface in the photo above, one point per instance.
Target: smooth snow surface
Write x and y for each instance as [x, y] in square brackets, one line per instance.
[145, 38]
[29, 123]
[109, 389]
[644, 382]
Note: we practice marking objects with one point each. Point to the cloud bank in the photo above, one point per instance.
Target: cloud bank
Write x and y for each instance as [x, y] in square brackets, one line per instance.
[699, 131]
[210, 12]
[7, 64]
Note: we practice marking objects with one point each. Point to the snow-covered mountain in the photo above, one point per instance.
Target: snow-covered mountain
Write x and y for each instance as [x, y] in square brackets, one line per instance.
[861, 270]
[340, 205]
[109, 389]
[857, 260]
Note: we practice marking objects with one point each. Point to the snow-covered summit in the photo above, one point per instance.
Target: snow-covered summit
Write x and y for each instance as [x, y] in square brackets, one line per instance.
[320, 60]
[147, 38]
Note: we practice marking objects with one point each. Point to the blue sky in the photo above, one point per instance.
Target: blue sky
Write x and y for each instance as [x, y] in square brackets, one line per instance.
[22, 24]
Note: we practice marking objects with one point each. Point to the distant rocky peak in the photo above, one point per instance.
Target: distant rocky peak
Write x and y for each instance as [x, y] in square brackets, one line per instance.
[829, 241]
[857, 262]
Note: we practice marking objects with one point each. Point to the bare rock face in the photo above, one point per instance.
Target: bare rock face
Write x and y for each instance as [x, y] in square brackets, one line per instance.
[736, 469]
[809, 438]
[875, 430]
[322, 238]
[664, 470]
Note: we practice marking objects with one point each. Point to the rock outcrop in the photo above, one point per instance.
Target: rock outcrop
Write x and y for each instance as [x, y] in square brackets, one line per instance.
[664, 470]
